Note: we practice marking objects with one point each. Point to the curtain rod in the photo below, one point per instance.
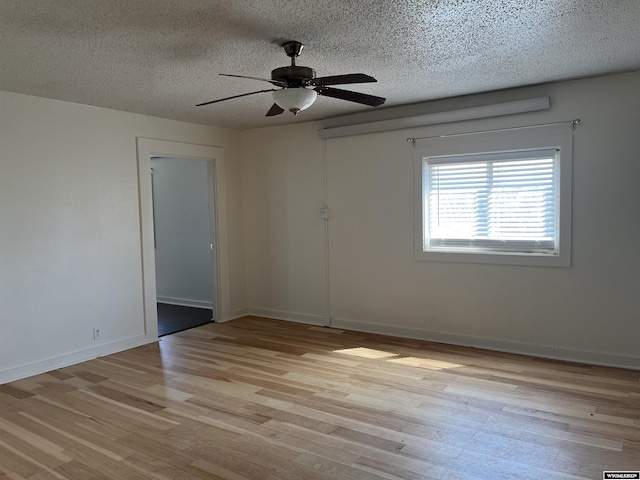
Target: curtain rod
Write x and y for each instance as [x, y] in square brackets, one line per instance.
[573, 123]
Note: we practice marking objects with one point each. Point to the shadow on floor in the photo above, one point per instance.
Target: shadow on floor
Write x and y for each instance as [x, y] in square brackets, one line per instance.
[175, 318]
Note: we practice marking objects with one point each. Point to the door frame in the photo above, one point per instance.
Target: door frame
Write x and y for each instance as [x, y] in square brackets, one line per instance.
[146, 148]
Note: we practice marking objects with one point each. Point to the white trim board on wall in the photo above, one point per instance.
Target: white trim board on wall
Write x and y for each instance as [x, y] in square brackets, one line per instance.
[450, 116]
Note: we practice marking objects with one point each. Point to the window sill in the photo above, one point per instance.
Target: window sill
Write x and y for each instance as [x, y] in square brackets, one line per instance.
[531, 260]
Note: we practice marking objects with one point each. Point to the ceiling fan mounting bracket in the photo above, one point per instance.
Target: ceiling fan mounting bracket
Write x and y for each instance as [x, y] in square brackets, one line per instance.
[292, 48]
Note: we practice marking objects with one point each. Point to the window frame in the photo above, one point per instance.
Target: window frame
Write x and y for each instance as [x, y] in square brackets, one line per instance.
[556, 137]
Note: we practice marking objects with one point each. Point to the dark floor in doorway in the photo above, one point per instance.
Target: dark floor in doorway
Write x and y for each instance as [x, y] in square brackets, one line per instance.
[175, 318]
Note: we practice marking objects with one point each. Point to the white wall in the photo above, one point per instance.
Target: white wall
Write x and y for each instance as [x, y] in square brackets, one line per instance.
[70, 254]
[182, 231]
[70, 232]
[283, 187]
[589, 312]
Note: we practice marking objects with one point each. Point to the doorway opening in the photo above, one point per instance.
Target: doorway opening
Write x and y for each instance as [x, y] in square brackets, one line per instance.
[182, 197]
[148, 148]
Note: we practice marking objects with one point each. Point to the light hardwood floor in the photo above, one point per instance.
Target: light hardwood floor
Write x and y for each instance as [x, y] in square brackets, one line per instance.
[270, 400]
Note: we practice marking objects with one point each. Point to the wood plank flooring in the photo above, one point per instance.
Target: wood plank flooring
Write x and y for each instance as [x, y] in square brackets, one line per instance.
[262, 399]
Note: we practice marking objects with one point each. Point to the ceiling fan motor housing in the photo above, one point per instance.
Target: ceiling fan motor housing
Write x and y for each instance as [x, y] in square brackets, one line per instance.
[293, 76]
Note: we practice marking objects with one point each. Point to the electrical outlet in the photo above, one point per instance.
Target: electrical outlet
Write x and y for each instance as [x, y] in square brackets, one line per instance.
[97, 333]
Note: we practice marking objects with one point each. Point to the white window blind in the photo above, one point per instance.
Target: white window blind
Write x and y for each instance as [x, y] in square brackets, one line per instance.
[502, 202]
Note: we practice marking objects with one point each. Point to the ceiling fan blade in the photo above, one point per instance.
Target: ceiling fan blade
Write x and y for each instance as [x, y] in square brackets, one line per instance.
[235, 96]
[350, 96]
[342, 79]
[274, 82]
[274, 110]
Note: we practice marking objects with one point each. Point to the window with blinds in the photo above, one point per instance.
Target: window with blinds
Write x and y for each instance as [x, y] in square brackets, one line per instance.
[499, 203]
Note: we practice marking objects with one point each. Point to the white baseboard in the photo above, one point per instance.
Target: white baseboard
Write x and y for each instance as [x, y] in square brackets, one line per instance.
[43, 366]
[184, 302]
[233, 314]
[544, 351]
[288, 316]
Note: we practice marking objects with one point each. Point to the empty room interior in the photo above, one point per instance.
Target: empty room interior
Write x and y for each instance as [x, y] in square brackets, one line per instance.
[409, 230]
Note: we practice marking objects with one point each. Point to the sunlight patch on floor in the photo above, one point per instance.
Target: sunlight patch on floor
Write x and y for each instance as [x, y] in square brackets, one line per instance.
[366, 352]
[425, 363]
[371, 353]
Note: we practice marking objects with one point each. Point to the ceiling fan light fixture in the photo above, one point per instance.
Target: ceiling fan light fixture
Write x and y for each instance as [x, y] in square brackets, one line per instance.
[295, 99]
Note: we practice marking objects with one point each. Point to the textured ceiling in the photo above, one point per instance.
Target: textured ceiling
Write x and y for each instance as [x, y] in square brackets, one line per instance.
[161, 57]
